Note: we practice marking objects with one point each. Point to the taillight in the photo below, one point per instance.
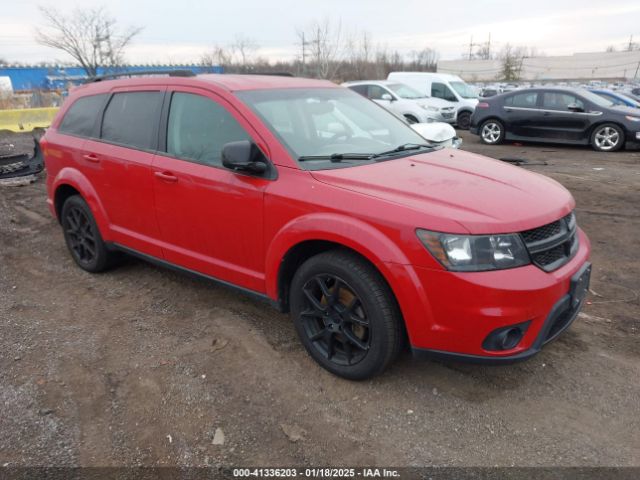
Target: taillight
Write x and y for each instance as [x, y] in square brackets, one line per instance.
[482, 105]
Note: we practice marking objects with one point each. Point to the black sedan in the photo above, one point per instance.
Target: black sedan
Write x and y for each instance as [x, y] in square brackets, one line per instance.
[557, 115]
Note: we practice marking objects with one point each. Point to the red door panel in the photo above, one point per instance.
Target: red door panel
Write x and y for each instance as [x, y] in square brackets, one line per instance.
[210, 218]
[124, 185]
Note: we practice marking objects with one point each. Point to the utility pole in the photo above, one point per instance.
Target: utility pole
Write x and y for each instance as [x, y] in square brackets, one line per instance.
[471, 45]
[630, 47]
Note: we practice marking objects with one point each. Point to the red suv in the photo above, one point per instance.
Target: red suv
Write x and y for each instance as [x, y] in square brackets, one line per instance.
[316, 199]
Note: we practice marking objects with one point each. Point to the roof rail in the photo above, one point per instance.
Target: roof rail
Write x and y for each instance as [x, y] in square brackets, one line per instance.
[275, 74]
[171, 73]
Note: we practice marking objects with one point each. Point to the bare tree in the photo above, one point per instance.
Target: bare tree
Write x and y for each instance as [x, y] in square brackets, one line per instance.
[325, 47]
[91, 36]
[217, 56]
[244, 47]
[512, 59]
[425, 59]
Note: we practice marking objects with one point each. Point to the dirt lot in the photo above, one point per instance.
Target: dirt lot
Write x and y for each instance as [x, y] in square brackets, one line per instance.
[142, 366]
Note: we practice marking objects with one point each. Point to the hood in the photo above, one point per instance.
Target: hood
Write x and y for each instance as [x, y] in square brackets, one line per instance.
[480, 194]
[436, 132]
[433, 102]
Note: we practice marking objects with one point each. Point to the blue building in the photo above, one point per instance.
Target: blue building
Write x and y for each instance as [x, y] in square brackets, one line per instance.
[26, 79]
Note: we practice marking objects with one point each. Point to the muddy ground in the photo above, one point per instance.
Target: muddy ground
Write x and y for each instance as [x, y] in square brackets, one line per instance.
[142, 366]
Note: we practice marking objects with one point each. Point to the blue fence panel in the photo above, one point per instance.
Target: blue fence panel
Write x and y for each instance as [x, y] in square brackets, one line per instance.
[59, 78]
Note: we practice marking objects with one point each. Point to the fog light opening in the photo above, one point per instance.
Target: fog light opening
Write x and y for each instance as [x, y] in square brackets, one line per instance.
[510, 338]
[506, 338]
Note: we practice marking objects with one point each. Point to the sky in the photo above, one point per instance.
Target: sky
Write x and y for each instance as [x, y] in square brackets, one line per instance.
[180, 31]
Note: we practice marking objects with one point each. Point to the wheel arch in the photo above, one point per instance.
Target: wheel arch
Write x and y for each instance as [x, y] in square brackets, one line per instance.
[599, 123]
[70, 182]
[307, 236]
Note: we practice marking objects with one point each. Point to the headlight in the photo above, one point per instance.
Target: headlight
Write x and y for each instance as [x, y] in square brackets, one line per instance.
[633, 119]
[475, 253]
[430, 108]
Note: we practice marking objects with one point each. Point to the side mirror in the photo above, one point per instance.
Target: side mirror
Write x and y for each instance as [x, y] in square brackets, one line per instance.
[387, 97]
[244, 156]
[574, 107]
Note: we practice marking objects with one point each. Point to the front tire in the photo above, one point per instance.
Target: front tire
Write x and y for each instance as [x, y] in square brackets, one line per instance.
[346, 315]
[83, 238]
[492, 132]
[464, 120]
[607, 137]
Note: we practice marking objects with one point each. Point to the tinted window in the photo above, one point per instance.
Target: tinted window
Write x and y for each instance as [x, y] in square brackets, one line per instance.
[560, 101]
[199, 127]
[440, 90]
[361, 89]
[131, 119]
[81, 117]
[522, 100]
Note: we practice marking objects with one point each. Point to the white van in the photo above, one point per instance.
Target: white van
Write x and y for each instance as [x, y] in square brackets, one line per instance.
[447, 87]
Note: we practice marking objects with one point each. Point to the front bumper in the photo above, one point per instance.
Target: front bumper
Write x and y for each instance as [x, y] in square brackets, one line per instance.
[450, 314]
[561, 316]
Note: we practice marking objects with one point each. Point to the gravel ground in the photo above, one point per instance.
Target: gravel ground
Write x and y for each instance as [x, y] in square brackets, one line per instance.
[142, 366]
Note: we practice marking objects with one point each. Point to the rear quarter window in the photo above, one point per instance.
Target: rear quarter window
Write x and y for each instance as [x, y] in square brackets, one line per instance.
[81, 117]
[132, 118]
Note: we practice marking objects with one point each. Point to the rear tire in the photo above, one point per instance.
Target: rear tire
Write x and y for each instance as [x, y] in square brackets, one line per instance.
[464, 120]
[346, 315]
[83, 238]
[607, 137]
[491, 132]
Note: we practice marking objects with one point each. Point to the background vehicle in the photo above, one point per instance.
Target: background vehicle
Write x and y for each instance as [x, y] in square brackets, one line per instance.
[314, 199]
[447, 87]
[403, 100]
[559, 115]
[617, 98]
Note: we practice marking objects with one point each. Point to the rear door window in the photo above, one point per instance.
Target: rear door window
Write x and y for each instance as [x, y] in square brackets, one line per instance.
[80, 119]
[131, 119]
[522, 100]
[198, 128]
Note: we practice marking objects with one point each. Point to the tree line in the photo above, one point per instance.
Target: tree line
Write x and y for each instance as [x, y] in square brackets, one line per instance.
[94, 39]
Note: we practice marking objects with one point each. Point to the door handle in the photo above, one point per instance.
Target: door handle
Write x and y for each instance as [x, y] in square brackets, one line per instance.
[166, 176]
[91, 157]
[546, 114]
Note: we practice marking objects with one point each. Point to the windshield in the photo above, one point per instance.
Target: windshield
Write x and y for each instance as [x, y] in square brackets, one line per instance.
[404, 91]
[329, 122]
[464, 90]
[595, 98]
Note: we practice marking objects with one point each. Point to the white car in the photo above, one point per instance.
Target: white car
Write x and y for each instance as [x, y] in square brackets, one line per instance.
[403, 100]
[450, 88]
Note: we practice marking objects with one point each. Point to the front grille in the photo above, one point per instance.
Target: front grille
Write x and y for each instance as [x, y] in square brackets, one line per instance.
[552, 245]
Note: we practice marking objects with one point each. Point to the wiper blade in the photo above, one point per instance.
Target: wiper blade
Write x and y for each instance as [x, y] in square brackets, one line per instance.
[338, 157]
[404, 148]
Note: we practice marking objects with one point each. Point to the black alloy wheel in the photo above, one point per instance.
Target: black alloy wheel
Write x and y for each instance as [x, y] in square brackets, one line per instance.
[83, 237]
[334, 320]
[346, 315]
